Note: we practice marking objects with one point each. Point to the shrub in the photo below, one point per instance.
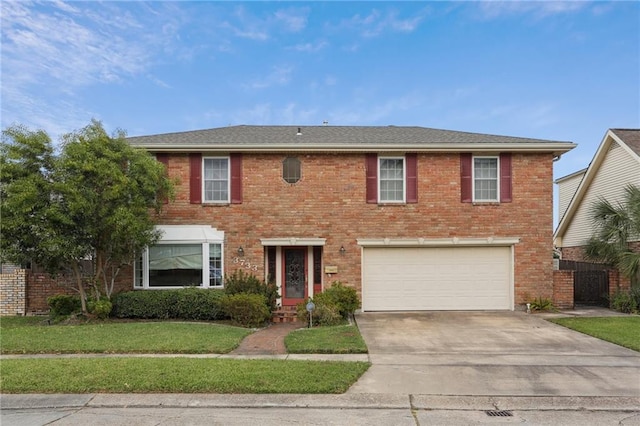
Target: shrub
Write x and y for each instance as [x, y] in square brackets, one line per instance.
[100, 308]
[241, 282]
[246, 309]
[63, 305]
[541, 304]
[344, 298]
[323, 315]
[189, 304]
[626, 301]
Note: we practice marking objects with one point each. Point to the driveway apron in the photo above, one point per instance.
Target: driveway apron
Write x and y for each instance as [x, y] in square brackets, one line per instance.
[490, 353]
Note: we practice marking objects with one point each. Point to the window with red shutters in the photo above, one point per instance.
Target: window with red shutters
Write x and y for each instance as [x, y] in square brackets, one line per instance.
[410, 162]
[195, 176]
[467, 164]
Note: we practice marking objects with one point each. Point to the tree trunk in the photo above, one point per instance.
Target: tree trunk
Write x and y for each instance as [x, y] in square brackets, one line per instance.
[83, 297]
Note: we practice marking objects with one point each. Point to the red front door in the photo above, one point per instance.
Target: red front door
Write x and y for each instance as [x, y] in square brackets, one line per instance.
[294, 288]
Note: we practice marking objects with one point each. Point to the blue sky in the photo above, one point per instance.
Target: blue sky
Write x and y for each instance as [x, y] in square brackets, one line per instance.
[551, 70]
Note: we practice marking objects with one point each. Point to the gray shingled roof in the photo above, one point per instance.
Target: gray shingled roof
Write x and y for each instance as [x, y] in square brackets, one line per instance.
[631, 137]
[339, 138]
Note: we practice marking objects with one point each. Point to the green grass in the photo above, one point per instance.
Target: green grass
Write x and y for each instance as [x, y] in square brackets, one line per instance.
[24, 335]
[177, 375]
[343, 339]
[623, 331]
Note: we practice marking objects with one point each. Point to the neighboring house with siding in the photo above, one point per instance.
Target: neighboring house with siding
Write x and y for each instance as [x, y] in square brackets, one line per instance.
[615, 165]
[413, 218]
[567, 186]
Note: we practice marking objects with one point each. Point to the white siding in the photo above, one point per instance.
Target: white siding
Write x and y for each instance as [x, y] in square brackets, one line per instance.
[566, 189]
[618, 170]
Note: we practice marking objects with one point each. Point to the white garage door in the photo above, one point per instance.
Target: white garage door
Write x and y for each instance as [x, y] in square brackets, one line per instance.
[451, 278]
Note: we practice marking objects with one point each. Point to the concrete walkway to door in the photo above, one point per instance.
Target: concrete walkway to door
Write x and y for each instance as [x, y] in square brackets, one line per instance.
[490, 353]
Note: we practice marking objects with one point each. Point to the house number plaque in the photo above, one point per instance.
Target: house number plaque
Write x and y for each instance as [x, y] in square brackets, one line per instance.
[245, 263]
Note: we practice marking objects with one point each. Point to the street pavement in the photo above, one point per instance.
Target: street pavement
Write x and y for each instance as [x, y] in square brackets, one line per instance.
[434, 368]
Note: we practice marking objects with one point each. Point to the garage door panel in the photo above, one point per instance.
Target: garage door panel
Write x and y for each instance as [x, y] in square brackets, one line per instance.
[464, 278]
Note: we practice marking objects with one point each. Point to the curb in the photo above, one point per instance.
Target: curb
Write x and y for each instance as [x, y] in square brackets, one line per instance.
[321, 401]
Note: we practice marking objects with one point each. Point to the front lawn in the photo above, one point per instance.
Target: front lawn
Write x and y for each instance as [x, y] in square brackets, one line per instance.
[26, 335]
[623, 331]
[177, 375]
[344, 339]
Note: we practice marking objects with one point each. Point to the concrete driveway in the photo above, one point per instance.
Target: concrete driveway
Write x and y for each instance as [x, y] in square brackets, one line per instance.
[490, 353]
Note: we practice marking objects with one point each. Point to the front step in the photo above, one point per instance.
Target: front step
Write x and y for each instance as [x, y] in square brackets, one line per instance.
[285, 314]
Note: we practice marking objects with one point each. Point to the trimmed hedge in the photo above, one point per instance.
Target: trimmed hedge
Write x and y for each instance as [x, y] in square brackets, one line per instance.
[188, 304]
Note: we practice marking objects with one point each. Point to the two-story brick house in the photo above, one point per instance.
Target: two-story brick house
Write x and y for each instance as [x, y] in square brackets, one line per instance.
[413, 218]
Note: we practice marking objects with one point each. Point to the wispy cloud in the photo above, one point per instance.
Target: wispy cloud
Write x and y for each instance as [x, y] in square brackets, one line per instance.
[244, 24]
[309, 47]
[278, 76]
[57, 48]
[376, 23]
[539, 9]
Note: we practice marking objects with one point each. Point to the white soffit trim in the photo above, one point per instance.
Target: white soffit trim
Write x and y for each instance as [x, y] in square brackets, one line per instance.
[185, 234]
[557, 148]
[293, 241]
[437, 242]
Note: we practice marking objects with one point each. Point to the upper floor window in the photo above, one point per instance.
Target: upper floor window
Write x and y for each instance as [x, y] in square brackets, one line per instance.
[291, 170]
[216, 180]
[485, 179]
[391, 180]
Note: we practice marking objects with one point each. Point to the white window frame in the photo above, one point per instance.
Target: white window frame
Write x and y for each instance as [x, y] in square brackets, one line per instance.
[473, 179]
[204, 193]
[195, 234]
[404, 180]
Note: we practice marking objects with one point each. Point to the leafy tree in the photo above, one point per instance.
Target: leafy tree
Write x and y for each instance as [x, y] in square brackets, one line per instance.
[616, 226]
[96, 200]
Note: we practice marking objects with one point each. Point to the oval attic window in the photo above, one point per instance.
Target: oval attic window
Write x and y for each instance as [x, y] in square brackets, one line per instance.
[291, 170]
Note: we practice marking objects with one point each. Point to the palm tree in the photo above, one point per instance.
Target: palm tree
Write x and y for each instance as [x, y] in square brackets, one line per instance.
[616, 226]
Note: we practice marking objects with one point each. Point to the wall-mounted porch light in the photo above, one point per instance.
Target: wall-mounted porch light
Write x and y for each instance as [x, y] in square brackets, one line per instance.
[240, 251]
[342, 250]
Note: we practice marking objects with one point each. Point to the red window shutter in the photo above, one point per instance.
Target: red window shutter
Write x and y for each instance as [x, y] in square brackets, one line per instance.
[411, 161]
[236, 178]
[195, 178]
[371, 168]
[466, 186]
[164, 159]
[505, 177]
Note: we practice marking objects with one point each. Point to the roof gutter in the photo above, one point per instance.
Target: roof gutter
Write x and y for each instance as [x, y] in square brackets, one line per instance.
[555, 148]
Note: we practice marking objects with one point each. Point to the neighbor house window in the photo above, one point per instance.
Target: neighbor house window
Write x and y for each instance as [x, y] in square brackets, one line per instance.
[485, 179]
[216, 180]
[187, 256]
[391, 180]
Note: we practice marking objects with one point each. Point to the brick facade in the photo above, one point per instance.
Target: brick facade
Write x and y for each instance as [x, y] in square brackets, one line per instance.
[13, 289]
[563, 289]
[330, 202]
